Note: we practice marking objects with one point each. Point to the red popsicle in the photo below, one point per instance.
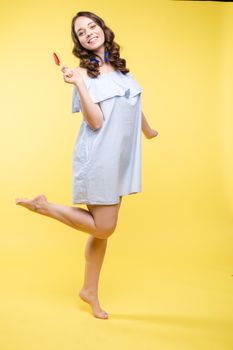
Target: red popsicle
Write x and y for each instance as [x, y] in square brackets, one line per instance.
[56, 59]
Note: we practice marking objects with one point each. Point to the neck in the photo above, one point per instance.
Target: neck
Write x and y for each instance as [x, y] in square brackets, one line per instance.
[100, 57]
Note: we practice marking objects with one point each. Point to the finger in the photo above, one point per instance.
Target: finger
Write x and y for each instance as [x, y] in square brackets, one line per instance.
[64, 68]
[69, 75]
[66, 79]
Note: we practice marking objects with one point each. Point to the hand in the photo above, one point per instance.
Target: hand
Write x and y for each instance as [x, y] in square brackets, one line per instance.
[72, 76]
[152, 133]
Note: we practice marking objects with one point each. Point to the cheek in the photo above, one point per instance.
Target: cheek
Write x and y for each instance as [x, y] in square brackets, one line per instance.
[101, 34]
[82, 40]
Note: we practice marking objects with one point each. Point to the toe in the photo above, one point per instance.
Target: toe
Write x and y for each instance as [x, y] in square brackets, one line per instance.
[17, 201]
[102, 314]
[20, 201]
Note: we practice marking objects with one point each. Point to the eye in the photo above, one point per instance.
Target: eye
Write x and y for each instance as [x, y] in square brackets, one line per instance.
[93, 26]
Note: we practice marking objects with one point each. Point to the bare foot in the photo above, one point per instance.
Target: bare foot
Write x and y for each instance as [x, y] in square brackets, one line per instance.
[37, 204]
[92, 299]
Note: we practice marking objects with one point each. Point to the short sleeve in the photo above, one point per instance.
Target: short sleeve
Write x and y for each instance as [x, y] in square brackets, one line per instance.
[75, 101]
[109, 86]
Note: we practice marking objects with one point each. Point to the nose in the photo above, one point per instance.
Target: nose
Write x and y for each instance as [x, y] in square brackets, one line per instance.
[88, 33]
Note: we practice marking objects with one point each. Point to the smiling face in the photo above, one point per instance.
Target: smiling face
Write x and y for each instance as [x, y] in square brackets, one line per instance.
[90, 35]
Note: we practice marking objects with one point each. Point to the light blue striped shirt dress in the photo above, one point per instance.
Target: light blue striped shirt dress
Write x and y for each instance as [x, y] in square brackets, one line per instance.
[107, 161]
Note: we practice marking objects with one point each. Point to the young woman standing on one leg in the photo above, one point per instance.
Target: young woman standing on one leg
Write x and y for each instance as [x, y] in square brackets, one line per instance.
[107, 152]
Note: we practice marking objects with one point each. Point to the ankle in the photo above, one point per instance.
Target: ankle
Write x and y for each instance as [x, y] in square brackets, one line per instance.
[89, 291]
[42, 208]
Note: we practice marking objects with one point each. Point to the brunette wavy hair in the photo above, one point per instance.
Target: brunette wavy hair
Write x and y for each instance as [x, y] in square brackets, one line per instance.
[85, 55]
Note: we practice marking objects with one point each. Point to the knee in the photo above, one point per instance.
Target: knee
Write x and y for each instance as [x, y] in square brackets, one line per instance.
[105, 232]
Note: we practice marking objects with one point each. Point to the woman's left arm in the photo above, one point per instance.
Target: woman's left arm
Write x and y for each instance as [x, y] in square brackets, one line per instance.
[147, 131]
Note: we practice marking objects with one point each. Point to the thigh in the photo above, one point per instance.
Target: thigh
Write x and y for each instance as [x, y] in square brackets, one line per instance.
[105, 216]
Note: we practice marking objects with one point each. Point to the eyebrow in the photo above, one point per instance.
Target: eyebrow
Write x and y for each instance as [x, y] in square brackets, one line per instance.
[82, 28]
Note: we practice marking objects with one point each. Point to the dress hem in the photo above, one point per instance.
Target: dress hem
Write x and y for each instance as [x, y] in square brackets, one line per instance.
[104, 203]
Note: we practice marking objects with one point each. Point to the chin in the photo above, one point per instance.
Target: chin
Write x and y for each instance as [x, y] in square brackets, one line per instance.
[97, 45]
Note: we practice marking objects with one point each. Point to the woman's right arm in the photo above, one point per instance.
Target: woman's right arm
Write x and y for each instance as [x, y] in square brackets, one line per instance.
[90, 110]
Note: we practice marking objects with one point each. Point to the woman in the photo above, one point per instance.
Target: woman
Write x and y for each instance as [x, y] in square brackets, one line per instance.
[106, 158]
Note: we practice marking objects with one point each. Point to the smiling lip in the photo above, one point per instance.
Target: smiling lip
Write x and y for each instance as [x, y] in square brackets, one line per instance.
[94, 37]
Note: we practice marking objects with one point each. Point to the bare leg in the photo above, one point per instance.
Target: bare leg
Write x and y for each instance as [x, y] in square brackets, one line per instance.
[100, 221]
[78, 218]
[94, 254]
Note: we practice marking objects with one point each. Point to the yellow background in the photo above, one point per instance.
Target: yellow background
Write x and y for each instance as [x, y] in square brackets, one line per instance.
[167, 277]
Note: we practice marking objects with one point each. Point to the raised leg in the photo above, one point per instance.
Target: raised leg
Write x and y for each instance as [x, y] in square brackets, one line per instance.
[101, 225]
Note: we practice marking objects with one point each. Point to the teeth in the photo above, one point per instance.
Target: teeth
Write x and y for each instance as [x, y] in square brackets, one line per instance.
[93, 39]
